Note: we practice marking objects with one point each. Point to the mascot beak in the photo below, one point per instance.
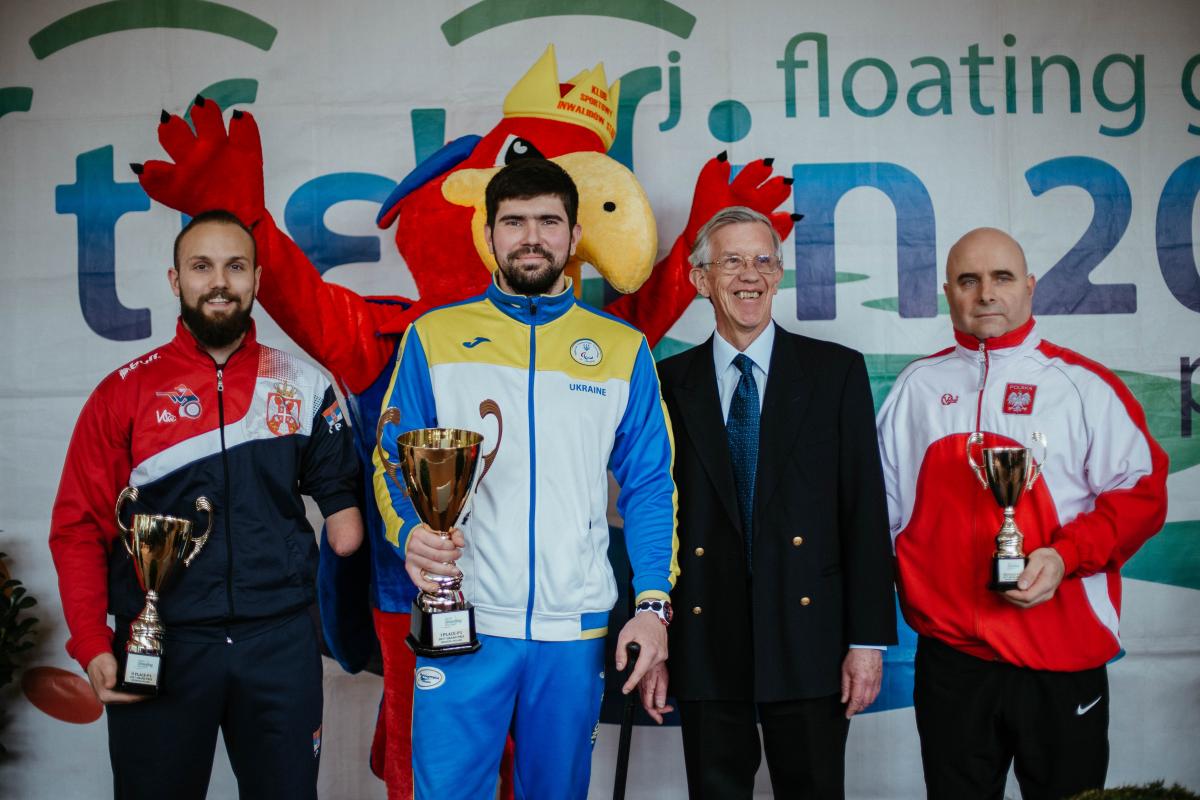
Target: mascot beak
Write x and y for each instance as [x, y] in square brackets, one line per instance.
[620, 238]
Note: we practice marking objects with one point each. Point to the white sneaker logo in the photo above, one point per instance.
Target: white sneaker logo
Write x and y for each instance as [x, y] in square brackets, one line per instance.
[1080, 710]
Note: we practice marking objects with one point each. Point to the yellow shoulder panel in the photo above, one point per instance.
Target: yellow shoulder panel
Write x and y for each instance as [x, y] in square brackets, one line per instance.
[474, 332]
[587, 346]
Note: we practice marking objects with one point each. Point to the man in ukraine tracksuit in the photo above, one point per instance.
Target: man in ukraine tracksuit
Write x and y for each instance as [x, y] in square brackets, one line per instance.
[578, 396]
[1019, 673]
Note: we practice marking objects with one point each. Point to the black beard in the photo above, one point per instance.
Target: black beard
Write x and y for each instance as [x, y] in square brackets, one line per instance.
[531, 283]
[215, 333]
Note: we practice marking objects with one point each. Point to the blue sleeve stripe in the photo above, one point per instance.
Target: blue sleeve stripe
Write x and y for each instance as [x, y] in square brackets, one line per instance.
[411, 393]
[642, 459]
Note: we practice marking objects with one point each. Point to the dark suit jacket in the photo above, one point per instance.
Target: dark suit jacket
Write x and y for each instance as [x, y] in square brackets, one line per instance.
[822, 574]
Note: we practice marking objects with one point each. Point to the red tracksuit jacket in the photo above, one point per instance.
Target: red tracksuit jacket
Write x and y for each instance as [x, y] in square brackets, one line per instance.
[1101, 495]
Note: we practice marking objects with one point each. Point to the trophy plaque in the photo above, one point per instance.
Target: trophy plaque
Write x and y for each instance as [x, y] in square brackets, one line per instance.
[156, 543]
[1008, 472]
[439, 468]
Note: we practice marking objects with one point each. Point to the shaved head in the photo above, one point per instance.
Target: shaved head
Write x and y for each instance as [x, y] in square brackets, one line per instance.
[988, 285]
[993, 241]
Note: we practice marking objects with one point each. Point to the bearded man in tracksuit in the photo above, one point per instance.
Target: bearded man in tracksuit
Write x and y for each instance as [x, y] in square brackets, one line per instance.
[1019, 673]
[212, 413]
[578, 395]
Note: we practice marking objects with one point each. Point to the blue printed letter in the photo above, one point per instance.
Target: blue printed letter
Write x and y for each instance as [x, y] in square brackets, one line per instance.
[818, 188]
[97, 202]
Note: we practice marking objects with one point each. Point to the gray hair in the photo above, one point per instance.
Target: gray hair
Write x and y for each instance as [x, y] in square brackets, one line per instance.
[733, 215]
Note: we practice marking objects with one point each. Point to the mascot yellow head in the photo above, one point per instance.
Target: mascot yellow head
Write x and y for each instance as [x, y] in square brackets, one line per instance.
[619, 236]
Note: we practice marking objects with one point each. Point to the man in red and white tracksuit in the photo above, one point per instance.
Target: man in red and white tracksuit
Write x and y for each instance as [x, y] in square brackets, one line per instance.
[1019, 673]
[211, 414]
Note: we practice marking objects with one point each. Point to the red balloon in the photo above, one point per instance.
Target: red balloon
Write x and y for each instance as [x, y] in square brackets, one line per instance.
[61, 694]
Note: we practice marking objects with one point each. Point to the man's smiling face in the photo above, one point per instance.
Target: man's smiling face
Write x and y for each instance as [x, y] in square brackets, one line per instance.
[532, 242]
[216, 280]
[741, 299]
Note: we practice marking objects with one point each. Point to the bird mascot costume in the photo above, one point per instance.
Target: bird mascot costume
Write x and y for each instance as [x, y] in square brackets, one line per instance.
[438, 212]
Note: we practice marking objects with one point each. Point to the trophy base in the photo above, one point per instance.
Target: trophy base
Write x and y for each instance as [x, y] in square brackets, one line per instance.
[139, 674]
[442, 633]
[1005, 572]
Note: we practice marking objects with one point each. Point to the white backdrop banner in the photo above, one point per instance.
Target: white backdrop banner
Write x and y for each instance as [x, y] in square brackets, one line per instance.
[1074, 125]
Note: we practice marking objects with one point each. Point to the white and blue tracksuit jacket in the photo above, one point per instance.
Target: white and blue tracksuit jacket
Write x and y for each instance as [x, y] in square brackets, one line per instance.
[578, 395]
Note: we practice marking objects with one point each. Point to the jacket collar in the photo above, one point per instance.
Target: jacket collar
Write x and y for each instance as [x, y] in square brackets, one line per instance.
[1018, 339]
[186, 344]
[529, 310]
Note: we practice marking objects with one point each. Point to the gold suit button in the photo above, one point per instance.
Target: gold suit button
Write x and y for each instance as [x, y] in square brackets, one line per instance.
[798, 540]
[696, 610]
[805, 601]
[699, 551]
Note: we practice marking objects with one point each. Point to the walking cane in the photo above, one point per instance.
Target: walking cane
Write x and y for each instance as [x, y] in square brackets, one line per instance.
[632, 650]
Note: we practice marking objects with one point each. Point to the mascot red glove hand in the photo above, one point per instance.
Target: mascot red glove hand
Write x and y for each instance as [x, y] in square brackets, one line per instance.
[754, 187]
[664, 297]
[211, 169]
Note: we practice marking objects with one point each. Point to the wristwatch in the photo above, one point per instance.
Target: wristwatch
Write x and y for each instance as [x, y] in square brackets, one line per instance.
[659, 608]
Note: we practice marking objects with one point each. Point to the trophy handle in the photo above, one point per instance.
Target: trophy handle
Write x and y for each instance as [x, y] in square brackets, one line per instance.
[490, 408]
[390, 414]
[1035, 468]
[976, 438]
[131, 494]
[198, 542]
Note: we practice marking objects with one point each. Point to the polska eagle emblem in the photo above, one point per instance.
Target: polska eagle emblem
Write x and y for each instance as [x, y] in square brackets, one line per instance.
[1018, 398]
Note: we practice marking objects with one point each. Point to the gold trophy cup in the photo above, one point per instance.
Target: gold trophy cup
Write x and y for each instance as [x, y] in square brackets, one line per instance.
[156, 543]
[1008, 472]
[439, 467]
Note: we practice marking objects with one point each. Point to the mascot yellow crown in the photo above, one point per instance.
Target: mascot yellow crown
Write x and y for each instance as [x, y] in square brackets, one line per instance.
[591, 102]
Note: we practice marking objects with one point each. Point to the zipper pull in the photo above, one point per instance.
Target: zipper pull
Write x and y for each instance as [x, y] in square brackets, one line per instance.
[220, 382]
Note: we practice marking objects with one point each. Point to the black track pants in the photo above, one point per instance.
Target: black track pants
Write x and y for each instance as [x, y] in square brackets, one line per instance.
[263, 693]
[975, 717]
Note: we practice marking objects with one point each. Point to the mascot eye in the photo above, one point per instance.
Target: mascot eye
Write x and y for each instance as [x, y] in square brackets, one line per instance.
[514, 149]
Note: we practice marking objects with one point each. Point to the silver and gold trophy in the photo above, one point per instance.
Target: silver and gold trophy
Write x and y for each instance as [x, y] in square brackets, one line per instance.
[1008, 472]
[156, 543]
[439, 467]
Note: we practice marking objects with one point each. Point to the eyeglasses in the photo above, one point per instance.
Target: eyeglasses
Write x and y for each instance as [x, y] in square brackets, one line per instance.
[734, 263]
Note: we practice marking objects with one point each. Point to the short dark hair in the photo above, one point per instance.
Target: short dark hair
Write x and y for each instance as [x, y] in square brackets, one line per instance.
[222, 217]
[531, 177]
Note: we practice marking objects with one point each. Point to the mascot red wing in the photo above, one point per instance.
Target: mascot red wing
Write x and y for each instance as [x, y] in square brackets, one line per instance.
[439, 214]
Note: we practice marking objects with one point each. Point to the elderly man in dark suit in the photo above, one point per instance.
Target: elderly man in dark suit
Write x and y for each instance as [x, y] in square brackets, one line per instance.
[784, 600]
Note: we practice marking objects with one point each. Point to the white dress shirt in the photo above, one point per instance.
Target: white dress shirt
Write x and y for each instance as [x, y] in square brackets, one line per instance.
[728, 375]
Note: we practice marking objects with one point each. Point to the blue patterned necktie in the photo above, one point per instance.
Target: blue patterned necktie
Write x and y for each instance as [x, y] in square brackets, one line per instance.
[742, 431]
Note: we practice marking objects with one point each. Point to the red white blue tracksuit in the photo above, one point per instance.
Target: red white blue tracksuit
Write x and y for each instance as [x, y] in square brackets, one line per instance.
[1101, 495]
[251, 435]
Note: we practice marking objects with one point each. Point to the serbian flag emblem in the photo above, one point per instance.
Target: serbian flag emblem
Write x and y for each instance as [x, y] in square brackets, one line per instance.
[333, 416]
[283, 411]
